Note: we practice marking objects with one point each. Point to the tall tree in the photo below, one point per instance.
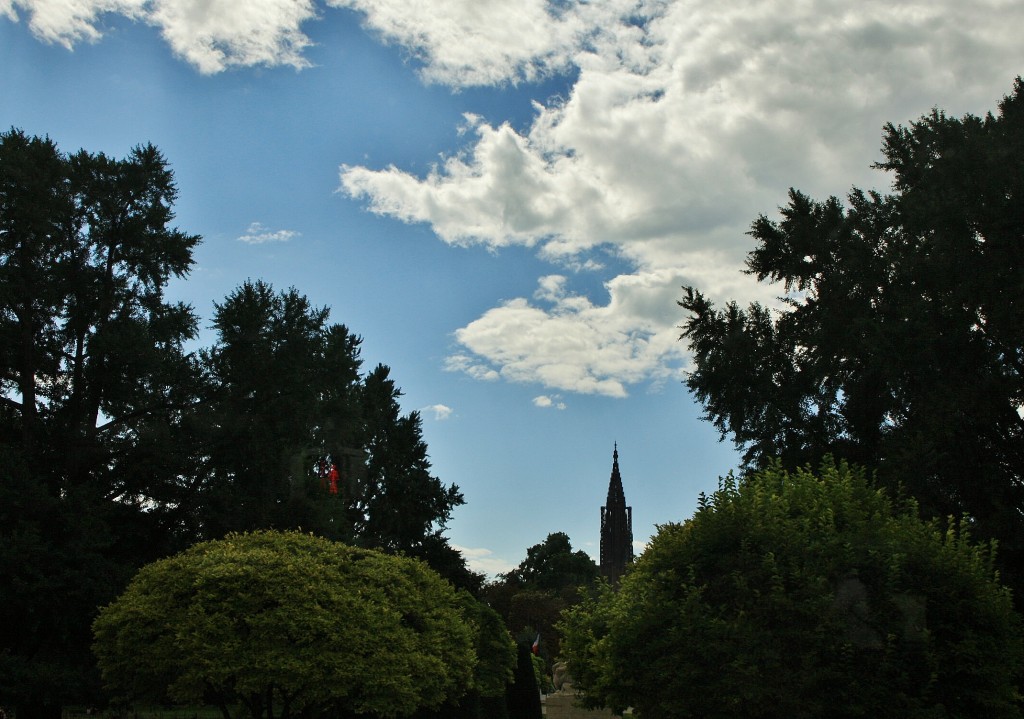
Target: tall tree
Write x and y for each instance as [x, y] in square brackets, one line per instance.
[554, 566]
[401, 504]
[118, 447]
[297, 437]
[94, 384]
[903, 344]
[283, 396]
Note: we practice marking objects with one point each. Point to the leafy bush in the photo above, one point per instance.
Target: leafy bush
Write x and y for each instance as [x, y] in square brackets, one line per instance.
[796, 595]
[286, 624]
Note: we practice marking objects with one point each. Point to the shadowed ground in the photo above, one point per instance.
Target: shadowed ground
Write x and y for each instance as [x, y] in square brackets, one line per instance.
[562, 705]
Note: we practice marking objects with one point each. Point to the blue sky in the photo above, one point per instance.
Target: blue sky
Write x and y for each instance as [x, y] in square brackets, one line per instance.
[502, 198]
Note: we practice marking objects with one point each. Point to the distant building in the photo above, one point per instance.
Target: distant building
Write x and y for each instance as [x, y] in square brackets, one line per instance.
[616, 528]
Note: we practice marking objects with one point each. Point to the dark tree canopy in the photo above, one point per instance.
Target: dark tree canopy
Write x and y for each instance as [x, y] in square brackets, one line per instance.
[902, 347]
[802, 595]
[532, 596]
[93, 385]
[118, 446]
[284, 392]
[401, 505]
[286, 402]
[553, 565]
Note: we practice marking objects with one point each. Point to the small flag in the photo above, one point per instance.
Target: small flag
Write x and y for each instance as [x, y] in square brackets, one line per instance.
[536, 645]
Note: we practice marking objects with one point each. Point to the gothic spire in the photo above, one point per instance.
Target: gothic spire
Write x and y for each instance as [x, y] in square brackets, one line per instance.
[616, 497]
[616, 527]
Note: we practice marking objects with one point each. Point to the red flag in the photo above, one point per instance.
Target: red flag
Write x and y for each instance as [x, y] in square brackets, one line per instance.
[536, 645]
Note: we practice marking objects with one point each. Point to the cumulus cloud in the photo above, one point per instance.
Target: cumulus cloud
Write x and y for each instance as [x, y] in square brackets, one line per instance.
[672, 133]
[258, 234]
[483, 560]
[685, 122]
[441, 412]
[545, 402]
[686, 119]
[489, 42]
[68, 22]
[460, 43]
[217, 34]
[212, 35]
[566, 342]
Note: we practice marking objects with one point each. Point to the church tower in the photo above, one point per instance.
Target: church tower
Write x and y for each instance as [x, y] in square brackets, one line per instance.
[616, 528]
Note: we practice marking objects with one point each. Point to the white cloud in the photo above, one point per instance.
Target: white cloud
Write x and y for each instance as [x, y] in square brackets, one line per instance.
[441, 412]
[473, 368]
[460, 43]
[565, 342]
[687, 119]
[258, 234]
[569, 345]
[490, 42]
[483, 560]
[674, 138]
[545, 402]
[212, 35]
[672, 134]
[68, 22]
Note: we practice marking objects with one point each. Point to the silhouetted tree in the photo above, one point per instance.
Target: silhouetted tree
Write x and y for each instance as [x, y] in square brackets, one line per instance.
[94, 388]
[118, 447]
[287, 403]
[284, 394]
[554, 566]
[902, 347]
[401, 503]
[532, 596]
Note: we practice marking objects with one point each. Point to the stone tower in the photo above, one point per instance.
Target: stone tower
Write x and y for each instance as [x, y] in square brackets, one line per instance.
[616, 528]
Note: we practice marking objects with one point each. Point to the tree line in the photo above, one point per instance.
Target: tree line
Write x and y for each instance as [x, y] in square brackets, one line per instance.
[866, 560]
[119, 445]
[869, 558]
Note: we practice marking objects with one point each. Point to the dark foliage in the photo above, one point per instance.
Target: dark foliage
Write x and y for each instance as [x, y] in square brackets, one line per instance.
[118, 446]
[93, 385]
[802, 595]
[902, 347]
[532, 596]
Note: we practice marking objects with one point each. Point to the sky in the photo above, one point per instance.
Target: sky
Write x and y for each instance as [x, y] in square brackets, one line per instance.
[504, 199]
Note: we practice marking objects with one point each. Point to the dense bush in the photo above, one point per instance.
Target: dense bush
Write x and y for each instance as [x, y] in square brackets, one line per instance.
[285, 624]
[800, 595]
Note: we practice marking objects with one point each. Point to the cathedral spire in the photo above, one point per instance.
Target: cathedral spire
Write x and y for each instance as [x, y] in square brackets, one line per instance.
[616, 527]
[615, 494]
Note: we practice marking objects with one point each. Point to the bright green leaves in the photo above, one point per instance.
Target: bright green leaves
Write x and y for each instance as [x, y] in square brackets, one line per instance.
[308, 623]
